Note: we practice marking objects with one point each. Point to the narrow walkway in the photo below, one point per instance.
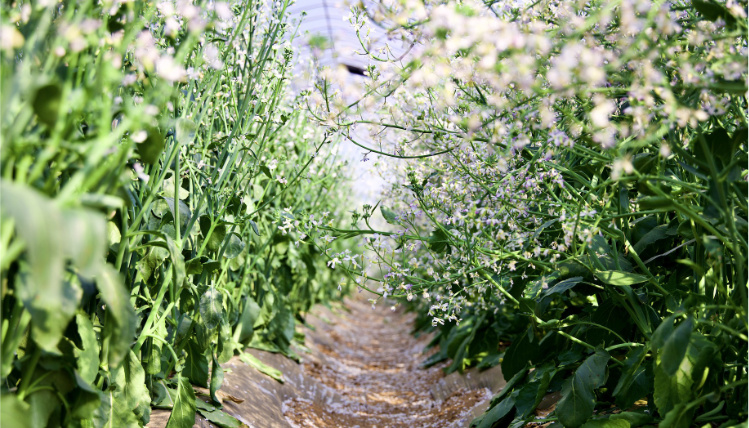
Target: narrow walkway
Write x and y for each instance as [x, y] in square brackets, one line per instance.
[370, 361]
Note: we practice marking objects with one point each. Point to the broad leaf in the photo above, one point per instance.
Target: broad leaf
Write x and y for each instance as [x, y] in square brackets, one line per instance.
[607, 423]
[246, 326]
[388, 215]
[211, 308]
[150, 149]
[87, 399]
[519, 353]
[121, 325]
[636, 380]
[196, 364]
[15, 412]
[675, 347]
[613, 277]
[578, 394]
[87, 358]
[185, 130]
[41, 225]
[183, 411]
[131, 403]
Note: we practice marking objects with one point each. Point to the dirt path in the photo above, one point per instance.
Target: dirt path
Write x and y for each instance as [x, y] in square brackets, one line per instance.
[369, 360]
[360, 368]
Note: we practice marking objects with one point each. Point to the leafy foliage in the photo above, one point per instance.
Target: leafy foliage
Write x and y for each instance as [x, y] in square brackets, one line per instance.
[148, 155]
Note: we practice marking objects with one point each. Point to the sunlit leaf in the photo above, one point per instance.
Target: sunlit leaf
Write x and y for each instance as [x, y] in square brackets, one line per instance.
[183, 411]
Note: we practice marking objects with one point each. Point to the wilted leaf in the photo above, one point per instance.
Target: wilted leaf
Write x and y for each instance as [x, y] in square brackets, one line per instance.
[251, 360]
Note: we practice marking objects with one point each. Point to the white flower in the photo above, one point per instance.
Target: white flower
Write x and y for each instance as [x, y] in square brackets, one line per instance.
[169, 70]
[333, 262]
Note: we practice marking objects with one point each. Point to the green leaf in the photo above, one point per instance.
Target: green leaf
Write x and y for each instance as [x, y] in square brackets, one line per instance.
[87, 399]
[121, 325]
[46, 103]
[168, 186]
[562, 286]
[679, 417]
[607, 423]
[151, 261]
[495, 413]
[712, 11]
[217, 379]
[662, 333]
[85, 239]
[389, 215]
[225, 343]
[254, 227]
[184, 212]
[531, 394]
[260, 366]
[150, 149]
[15, 412]
[220, 418]
[185, 130]
[613, 277]
[519, 353]
[131, 403]
[438, 241]
[153, 365]
[672, 390]
[578, 393]
[40, 224]
[87, 358]
[183, 412]
[234, 246]
[211, 308]
[675, 347]
[635, 419]
[216, 237]
[654, 235]
[44, 404]
[636, 380]
[102, 417]
[245, 327]
[196, 363]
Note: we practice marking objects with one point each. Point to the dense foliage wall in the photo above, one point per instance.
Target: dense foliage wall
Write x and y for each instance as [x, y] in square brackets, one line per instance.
[571, 201]
[151, 165]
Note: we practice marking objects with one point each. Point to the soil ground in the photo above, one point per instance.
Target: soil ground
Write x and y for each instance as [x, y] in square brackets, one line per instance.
[360, 367]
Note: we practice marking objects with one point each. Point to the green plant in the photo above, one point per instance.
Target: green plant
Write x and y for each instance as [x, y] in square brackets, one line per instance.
[150, 159]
